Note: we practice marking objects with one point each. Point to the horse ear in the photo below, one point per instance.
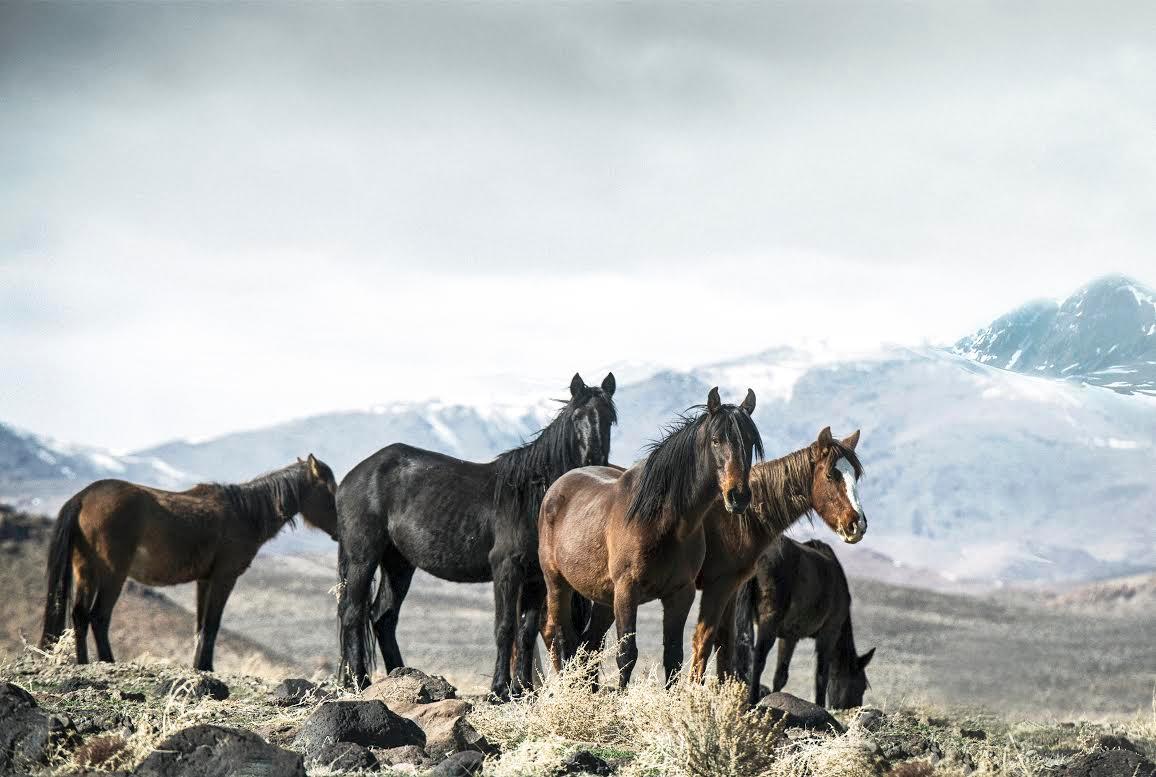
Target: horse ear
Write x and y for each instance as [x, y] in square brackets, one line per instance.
[713, 401]
[313, 466]
[866, 659]
[577, 385]
[825, 437]
[852, 441]
[749, 403]
[609, 384]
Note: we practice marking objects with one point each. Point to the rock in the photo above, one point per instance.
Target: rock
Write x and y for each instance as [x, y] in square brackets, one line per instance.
[464, 764]
[198, 687]
[294, 691]
[972, 733]
[406, 685]
[1114, 742]
[869, 718]
[27, 733]
[73, 684]
[584, 762]
[799, 713]
[344, 757]
[217, 751]
[406, 754]
[439, 720]
[466, 737]
[1109, 763]
[367, 723]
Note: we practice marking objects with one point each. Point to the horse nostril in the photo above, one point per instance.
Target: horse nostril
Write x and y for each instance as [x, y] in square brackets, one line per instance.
[733, 496]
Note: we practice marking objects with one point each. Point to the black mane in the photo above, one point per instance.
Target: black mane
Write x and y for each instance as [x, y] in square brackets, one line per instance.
[523, 474]
[270, 500]
[671, 472]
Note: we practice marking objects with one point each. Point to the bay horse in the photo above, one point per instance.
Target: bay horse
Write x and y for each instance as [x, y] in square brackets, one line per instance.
[405, 508]
[799, 592]
[622, 538]
[210, 533]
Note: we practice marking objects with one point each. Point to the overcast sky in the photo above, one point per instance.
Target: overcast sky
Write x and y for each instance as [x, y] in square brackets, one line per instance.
[215, 217]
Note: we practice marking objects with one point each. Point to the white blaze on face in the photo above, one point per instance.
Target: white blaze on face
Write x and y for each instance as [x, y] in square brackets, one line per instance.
[850, 485]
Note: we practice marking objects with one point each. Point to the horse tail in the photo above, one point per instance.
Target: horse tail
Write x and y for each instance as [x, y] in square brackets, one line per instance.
[744, 639]
[59, 571]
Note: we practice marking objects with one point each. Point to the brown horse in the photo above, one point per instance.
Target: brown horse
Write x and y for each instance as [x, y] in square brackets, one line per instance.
[113, 529]
[799, 592]
[822, 478]
[622, 538]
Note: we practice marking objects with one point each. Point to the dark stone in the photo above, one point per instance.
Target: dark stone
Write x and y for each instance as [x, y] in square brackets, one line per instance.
[466, 737]
[216, 751]
[799, 713]
[198, 687]
[131, 696]
[345, 757]
[870, 719]
[972, 733]
[1114, 742]
[368, 723]
[406, 754]
[1109, 763]
[28, 733]
[294, 691]
[464, 764]
[584, 762]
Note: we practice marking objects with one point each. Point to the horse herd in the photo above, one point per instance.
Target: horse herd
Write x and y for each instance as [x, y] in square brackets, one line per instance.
[571, 543]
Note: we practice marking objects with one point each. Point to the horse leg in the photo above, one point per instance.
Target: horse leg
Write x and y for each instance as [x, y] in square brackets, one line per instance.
[106, 599]
[675, 609]
[202, 592]
[396, 575]
[725, 643]
[559, 596]
[764, 641]
[82, 602]
[532, 600]
[822, 674]
[594, 637]
[783, 663]
[626, 623]
[742, 633]
[508, 579]
[219, 589]
[715, 600]
[353, 612]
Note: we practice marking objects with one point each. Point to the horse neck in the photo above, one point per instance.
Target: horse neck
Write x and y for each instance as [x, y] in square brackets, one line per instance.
[269, 501]
[523, 474]
[781, 491]
[705, 494]
[846, 658]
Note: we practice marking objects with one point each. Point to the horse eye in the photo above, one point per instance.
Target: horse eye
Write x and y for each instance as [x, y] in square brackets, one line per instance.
[715, 441]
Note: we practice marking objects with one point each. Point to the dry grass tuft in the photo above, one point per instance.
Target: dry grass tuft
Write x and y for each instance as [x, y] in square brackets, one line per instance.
[107, 752]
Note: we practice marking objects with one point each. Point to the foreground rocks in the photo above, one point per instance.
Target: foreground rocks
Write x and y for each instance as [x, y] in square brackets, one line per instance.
[366, 723]
[1109, 763]
[217, 751]
[28, 734]
[799, 713]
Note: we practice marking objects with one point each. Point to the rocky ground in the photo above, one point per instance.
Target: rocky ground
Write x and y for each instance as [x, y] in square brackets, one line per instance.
[157, 718]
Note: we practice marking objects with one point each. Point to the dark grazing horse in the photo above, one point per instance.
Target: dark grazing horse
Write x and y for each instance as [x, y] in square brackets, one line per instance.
[623, 538]
[800, 591]
[405, 508]
[113, 530]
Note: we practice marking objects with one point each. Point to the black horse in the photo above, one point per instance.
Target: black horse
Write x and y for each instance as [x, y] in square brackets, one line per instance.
[799, 591]
[467, 522]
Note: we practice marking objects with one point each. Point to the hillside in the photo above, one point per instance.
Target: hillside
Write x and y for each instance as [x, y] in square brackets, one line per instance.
[145, 624]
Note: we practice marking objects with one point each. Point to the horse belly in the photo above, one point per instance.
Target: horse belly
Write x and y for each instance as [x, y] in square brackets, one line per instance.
[459, 556]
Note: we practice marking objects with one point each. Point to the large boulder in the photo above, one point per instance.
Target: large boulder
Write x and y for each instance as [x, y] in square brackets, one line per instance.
[442, 722]
[406, 685]
[799, 713]
[27, 733]
[367, 723]
[295, 690]
[217, 751]
[1109, 763]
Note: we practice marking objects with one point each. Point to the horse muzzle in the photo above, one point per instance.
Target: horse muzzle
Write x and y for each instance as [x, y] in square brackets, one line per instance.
[857, 531]
[736, 500]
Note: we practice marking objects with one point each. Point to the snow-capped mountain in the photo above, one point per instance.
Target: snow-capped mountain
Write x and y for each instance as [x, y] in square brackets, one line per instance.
[34, 467]
[1104, 335]
[991, 461]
